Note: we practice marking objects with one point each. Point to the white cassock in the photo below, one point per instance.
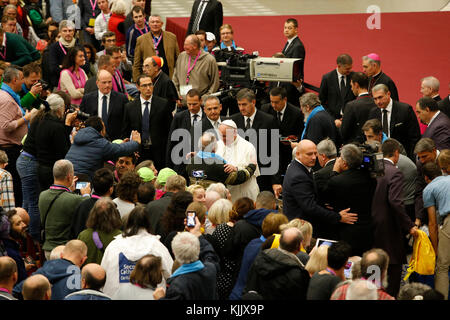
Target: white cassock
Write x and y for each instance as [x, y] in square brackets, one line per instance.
[240, 154]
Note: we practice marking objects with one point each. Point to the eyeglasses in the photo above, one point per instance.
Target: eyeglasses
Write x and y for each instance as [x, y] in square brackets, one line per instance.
[110, 40]
[147, 85]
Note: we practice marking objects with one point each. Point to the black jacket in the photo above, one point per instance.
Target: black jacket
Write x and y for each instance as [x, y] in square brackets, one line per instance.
[383, 78]
[321, 126]
[356, 113]
[403, 126]
[211, 20]
[155, 210]
[52, 140]
[296, 50]
[276, 275]
[444, 106]
[330, 94]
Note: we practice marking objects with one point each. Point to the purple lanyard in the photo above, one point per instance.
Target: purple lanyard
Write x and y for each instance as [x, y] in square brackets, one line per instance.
[93, 7]
[146, 30]
[189, 66]
[95, 196]
[57, 187]
[331, 271]
[155, 43]
[62, 48]
[4, 51]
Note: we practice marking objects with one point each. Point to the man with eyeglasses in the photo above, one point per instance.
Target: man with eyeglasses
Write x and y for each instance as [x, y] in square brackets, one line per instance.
[162, 85]
[151, 116]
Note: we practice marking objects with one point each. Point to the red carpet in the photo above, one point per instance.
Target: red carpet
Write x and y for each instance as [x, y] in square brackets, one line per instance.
[411, 45]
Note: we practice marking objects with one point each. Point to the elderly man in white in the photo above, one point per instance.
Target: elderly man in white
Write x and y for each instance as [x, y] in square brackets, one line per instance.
[238, 153]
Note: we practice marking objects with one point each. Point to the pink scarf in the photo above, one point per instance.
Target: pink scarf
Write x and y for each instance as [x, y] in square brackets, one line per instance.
[78, 83]
[114, 84]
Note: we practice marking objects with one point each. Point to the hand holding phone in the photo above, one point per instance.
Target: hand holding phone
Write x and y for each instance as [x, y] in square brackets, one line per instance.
[190, 215]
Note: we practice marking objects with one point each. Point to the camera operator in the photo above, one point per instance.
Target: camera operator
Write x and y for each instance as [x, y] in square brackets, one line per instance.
[352, 187]
[52, 137]
[34, 90]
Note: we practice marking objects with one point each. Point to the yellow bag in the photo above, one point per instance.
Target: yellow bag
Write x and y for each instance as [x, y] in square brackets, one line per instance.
[423, 258]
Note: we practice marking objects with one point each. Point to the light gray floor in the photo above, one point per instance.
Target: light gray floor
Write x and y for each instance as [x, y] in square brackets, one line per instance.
[182, 8]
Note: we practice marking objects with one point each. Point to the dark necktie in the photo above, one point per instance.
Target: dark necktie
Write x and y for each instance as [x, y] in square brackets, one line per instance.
[195, 26]
[105, 110]
[279, 116]
[342, 87]
[285, 48]
[385, 122]
[371, 83]
[248, 125]
[145, 122]
[195, 119]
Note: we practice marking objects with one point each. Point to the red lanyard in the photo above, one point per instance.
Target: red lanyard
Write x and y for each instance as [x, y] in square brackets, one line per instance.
[56, 187]
[78, 78]
[93, 7]
[95, 196]
[146, 30]
[62, 48]
[189, 66]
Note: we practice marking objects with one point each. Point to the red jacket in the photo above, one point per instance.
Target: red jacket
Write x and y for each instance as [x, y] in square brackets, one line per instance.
[114, 21]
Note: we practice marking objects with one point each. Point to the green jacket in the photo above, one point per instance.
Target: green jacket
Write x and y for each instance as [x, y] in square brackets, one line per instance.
[95, 255]
[19, 51]
[59, 218]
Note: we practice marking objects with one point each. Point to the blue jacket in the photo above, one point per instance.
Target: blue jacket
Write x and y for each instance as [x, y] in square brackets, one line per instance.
[90, 150]
[131, 37]
[64, 276]
[13, 250]
[250, 253]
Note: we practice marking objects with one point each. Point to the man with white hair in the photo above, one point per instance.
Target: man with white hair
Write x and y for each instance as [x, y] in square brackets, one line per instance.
[429, 87]
[195, 279]
[239, 153]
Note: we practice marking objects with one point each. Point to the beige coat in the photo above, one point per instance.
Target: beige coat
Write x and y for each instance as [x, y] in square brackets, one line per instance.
[145, 48]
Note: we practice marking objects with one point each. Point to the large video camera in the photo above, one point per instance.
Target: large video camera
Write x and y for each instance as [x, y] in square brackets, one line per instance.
[238, 68]
[372, 160]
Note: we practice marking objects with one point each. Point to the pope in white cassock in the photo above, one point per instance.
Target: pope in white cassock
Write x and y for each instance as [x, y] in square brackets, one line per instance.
[238, 153]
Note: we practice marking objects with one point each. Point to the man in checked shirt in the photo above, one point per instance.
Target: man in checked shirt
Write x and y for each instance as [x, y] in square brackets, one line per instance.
[6, 184]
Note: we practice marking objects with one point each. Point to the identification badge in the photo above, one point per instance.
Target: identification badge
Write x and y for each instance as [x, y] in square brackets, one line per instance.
[184, 89]
[91, 22]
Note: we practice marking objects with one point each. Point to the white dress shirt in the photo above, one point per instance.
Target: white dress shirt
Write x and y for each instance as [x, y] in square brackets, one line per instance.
[100, 102]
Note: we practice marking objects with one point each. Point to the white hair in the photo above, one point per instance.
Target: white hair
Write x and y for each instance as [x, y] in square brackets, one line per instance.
[219, 212]
[361, 290]
[219, 188]
[56, 252]
[119, 7]
[186, 247]
[431, 82]
[55, 101]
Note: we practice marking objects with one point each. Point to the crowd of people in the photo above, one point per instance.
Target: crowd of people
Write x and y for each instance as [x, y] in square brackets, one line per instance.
[120, 164]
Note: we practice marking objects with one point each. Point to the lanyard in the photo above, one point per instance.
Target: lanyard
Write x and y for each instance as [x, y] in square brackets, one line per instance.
[3, 55]
[189, 66]
[146, 30]
[104, 19]
[62, 48]
[331, 271]
[57, 187]
[93, 7]
[156, 43]
[95, 196]
[4, 290]
[78, 78]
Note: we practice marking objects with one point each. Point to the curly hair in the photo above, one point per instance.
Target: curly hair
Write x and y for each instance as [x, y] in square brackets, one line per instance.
[127, 188]
[173, 218]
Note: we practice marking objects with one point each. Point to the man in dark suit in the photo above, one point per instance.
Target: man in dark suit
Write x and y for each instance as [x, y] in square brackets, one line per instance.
[438, 123]
[429, 87]
[326, 154]
[151, 116]
[290, 121]
[357, 111]
[300, 197]
[185, 119]
[391, 223]
[351, 187]
[444, 105]
[206, 15]
[294, 47]
[335, 90]
[107, 104]
[372, 67]
[252, 121]
[319, 123]
[212, 108]
[398, 119]
[162, 85]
